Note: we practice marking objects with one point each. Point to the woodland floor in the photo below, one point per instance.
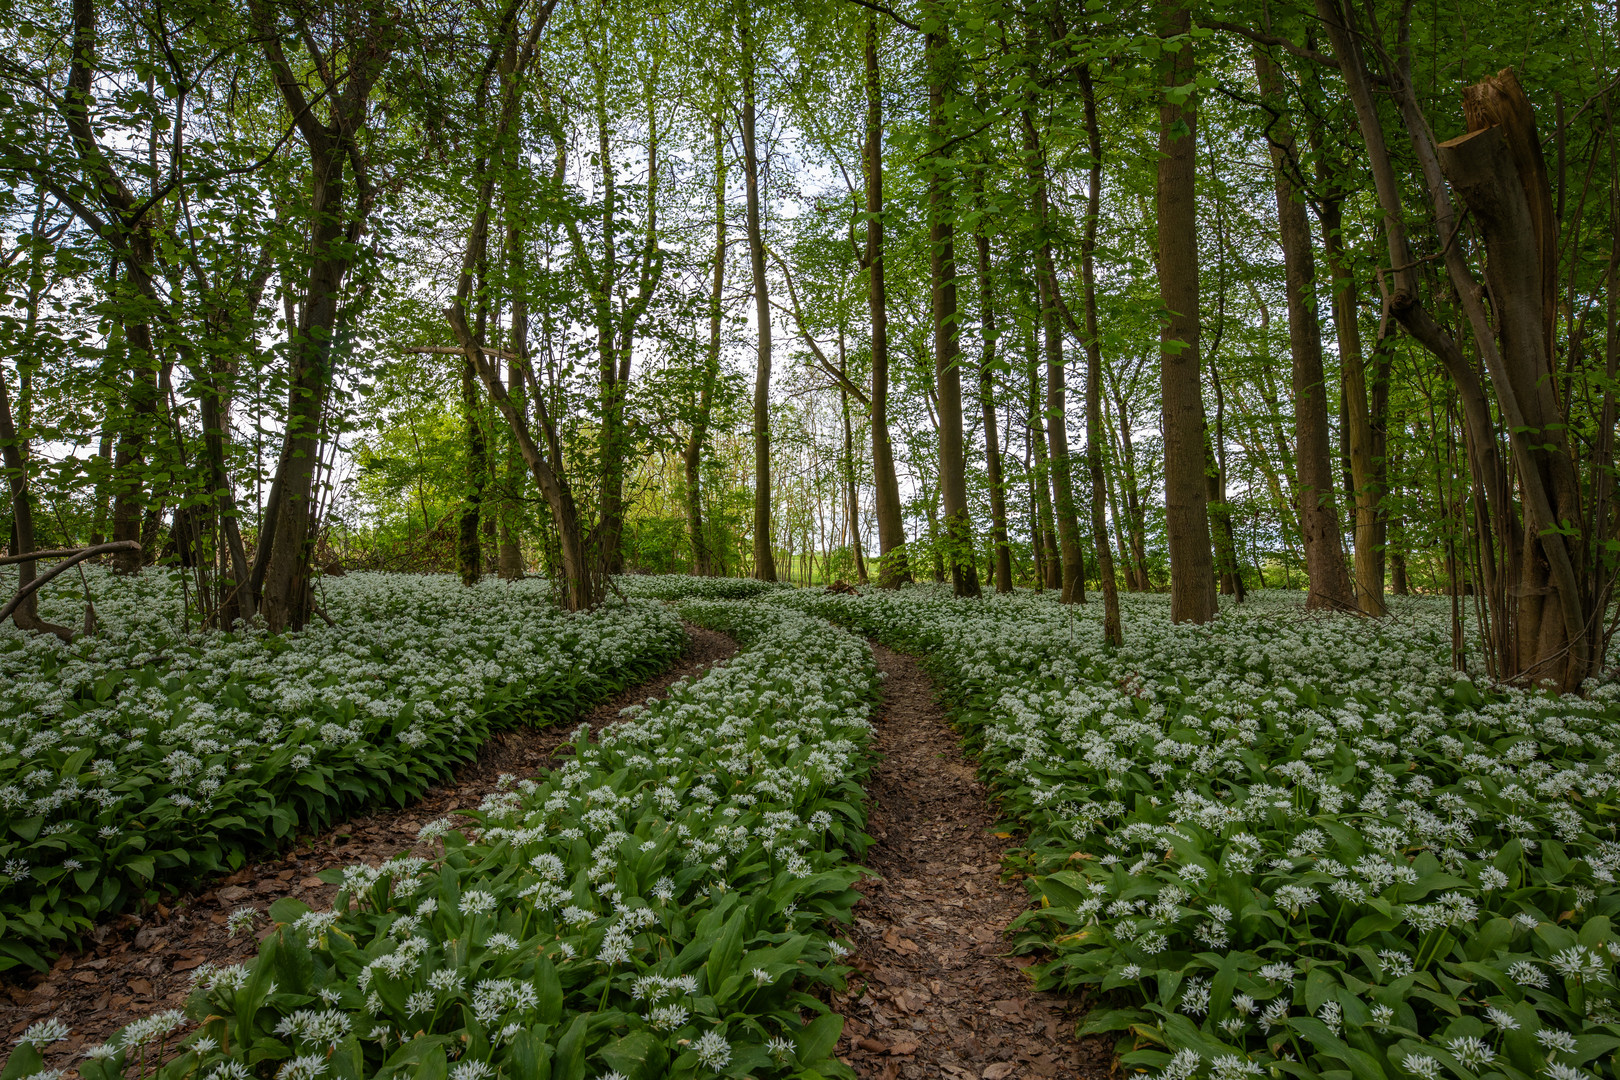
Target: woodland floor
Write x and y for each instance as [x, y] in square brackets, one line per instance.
[140, 964]
[934, 993]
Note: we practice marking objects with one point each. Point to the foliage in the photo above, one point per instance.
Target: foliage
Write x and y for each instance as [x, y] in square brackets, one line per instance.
[147, 758]
[655, 907]
[1289, 844]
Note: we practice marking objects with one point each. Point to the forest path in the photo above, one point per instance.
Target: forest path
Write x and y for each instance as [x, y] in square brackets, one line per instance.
[142, 964]
[934, 995]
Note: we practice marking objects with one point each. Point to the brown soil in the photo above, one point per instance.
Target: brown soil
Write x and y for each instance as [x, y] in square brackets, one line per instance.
[140, 964]
[935, 994]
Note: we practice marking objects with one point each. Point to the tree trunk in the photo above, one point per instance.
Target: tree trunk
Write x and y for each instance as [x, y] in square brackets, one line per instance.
[764, 560]
[702, 562]
[1192, 570]
[1498, 169]
[893, 567]
[852, 513]
[1135, 512]
[1318, 515]
[1113, 631]
[1056, 421]
[1001, 556]
[947, 347]
[469, 552]
[286, 542]
[1364, 434]
[14, 455]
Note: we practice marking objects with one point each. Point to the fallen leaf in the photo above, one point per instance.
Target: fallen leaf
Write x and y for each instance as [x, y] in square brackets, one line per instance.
[141, 987]
[189, 962]
[312, 883]
[999, 1071]
[903, 1046]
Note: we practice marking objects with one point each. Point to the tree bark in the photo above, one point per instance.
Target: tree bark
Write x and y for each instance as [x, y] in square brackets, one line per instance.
[1113, 631]
[702, 560]
[947, 345]
[1192, 570]
[1001, 555]
[1364, 436]
[1318, 514]
[764, 559]
[1056, 420]
[281, 572]
[893, 565]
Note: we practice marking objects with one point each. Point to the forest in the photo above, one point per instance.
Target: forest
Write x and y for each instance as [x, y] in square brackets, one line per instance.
[825, 538]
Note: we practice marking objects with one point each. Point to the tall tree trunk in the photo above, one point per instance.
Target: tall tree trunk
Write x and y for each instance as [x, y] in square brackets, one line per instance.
[893, 566]
[702, 561]
[611, 390]
[1135, 512]
[1057, 426]
[947, 346]
[852, 513]
[1050, 561]
[1113, 631]
[1365, 436]
[1002, 557]
[764, 560]
[469, 552]
[1186, 511]
[281, 570]
[1318, 514]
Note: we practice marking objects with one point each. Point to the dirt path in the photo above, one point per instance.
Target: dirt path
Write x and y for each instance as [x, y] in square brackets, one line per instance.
[140, 964]
[935, 996]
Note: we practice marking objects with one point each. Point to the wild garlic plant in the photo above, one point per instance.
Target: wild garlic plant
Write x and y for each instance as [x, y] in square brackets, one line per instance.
[657, 906]
[145, 757]
[1290, 843]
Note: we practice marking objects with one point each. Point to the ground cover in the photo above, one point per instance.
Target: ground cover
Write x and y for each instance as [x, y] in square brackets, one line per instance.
[149, 756]
[656, 906]
[1292, 845]
[678, 587]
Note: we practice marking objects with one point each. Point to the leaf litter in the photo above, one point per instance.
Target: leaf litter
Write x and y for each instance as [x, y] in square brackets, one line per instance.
[935, 993]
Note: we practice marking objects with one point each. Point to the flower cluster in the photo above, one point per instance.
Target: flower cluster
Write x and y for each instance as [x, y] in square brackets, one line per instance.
[1292, 842]
[145, 755]
[655, 906]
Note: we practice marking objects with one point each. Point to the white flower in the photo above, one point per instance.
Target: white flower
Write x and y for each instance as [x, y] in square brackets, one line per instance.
[713, 1051]
[303, 1067]
[43, 1033]
[1555, 1040]
[1528, 975]
[1471, 1051]
[1501, 1019]
[1421, 1065]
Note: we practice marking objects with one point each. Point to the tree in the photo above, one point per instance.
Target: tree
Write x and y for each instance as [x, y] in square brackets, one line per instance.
[1192, 571]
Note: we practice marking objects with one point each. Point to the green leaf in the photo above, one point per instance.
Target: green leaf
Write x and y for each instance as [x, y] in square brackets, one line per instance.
[815, 1041]
[288, 910]
[639, 1055]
